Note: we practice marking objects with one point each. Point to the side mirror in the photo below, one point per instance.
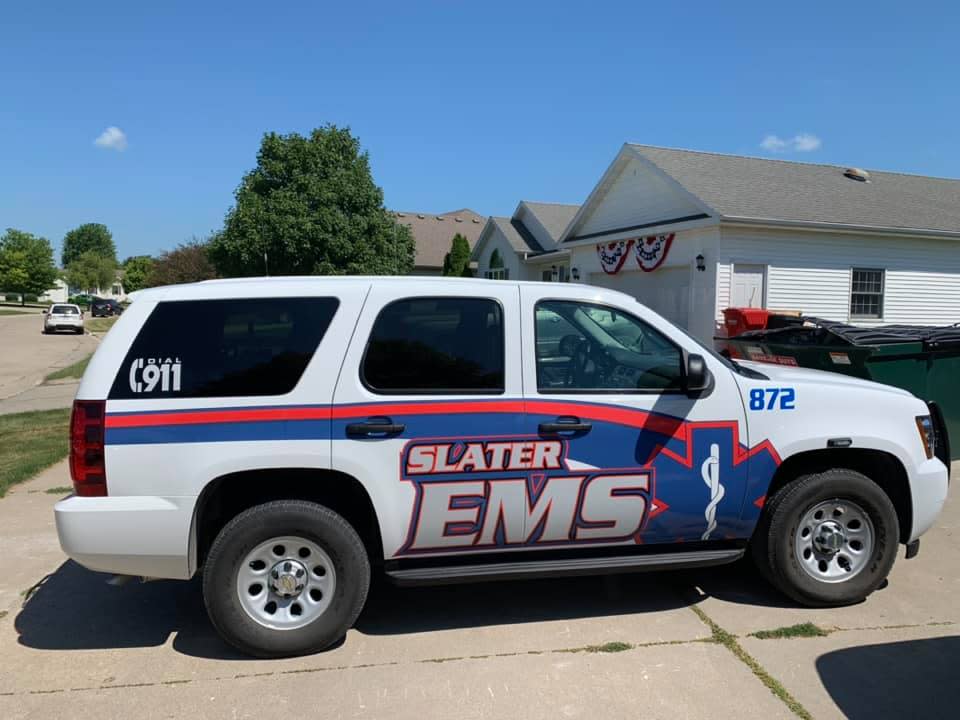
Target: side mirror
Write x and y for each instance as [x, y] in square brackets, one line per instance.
[44, 312]
[698, 376]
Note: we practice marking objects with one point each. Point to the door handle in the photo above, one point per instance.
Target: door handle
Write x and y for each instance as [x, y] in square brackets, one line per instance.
[375, 427]
[565, 424]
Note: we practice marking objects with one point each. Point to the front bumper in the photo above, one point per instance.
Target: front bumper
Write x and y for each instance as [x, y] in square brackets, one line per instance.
[148, 536]
[928, 488]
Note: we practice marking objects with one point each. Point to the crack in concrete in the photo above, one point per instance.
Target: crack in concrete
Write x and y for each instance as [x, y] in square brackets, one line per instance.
[719, 636]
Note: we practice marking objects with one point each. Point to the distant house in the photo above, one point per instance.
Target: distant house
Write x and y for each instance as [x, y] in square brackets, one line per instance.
[115, 291]
[433, 235]
[525, 246]
[59, 293]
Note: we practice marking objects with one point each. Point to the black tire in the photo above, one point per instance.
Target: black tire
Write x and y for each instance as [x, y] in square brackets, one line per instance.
[773, 542]
[275, 519]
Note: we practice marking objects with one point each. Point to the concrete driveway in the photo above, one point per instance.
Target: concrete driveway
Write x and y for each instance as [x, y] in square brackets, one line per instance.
[74, 646]
[28, 356]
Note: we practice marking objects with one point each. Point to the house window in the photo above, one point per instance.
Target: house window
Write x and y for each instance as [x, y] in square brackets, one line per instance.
[497, 271]
[866, 293]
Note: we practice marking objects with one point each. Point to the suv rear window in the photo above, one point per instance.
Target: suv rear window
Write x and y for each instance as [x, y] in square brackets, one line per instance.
[221, 348]
[64, 310]
[424, 346]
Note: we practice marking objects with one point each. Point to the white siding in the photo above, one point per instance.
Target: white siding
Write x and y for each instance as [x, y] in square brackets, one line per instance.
[512, 262]
[810, 271]
[678, 267]
[637, 196]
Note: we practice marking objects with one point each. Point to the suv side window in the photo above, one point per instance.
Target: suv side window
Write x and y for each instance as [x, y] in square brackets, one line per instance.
[224, 348]
[435, 345]
[582, 347]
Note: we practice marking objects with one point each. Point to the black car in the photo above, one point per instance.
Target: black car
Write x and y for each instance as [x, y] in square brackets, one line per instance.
[105, 308]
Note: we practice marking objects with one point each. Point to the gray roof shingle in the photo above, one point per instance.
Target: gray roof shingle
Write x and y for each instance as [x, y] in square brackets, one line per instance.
[553, 216]
[517, 235]
[737, 186]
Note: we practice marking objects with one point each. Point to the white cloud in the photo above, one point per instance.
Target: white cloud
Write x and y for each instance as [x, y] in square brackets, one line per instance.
[804, 142]
[113, 138]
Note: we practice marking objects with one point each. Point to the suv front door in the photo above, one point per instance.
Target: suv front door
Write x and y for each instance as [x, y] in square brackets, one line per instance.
[641, 461]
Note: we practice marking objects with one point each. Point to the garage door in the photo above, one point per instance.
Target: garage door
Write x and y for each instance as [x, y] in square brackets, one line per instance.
[666, 291]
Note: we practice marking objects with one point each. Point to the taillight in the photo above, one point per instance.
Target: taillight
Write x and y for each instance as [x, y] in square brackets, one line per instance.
[87, 467]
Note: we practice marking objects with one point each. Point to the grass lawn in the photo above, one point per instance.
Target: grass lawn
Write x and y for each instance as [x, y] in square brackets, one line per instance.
[4, 311]
[70, 371]
[31, 442]
[99, 325]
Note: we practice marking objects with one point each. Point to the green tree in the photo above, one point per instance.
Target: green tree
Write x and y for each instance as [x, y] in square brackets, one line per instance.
[26, 264]
[91, 272]
[456, 263]
[136, 272]
[90, 237]
[188, 262]
[311, 207]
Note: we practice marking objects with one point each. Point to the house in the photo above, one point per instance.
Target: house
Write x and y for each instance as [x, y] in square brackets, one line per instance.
[59, 293]
[433, 235]
[691, 233]
[526, 245]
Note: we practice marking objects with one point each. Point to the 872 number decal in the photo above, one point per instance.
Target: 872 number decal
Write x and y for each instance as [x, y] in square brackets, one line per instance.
[773, 399]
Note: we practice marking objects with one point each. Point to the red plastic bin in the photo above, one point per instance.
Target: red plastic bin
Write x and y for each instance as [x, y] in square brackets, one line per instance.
[739, 320]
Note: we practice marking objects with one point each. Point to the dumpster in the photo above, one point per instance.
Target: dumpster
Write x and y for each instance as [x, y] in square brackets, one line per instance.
[923, 360]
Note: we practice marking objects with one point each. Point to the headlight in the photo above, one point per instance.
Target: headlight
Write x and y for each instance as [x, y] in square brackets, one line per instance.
[927, 437]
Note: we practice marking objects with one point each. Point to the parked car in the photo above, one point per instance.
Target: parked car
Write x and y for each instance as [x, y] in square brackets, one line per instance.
[63, 316]
[288, 437]
[100, 307]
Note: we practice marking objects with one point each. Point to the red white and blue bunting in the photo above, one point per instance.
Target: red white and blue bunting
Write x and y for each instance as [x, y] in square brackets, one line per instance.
[649, 252]
[613, 255]
[652, 250]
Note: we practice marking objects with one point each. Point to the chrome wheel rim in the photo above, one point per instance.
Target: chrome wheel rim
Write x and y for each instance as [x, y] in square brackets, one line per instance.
[286, 582]
[834, 541]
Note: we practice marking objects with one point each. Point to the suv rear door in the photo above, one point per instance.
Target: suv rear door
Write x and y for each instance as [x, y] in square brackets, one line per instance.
[429, 381]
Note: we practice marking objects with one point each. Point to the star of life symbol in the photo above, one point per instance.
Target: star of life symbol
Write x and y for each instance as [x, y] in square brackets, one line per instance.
[710, 472]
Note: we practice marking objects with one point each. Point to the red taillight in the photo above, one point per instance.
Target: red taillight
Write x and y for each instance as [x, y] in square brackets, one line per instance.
[87, 466]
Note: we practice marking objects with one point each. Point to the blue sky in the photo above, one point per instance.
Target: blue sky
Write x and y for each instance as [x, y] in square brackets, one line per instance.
[459, 104]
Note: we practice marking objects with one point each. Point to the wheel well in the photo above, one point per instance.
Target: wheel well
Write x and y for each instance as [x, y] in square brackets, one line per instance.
[882, 468]
[227, 496]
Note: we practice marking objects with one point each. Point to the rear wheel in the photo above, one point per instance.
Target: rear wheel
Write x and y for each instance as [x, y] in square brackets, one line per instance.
[827, 539]
[285, 578]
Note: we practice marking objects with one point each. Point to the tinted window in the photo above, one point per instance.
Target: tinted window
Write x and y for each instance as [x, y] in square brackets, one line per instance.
[219, 348]
[436, 345]
[64, 310]
[592, 348]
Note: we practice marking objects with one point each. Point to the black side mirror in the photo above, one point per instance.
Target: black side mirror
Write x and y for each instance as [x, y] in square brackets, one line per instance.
[698, 376]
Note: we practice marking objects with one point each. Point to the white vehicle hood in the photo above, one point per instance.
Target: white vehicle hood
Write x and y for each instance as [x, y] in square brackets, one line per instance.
[787, 374]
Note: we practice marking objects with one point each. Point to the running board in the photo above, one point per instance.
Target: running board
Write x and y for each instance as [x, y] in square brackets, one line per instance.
[555, 568]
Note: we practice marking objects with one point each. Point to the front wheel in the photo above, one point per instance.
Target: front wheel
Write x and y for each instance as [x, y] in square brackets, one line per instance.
[285, 578]
[828, 538]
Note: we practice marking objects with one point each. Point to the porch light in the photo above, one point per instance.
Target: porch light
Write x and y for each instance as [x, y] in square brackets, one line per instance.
[701, 263]
[575, 274]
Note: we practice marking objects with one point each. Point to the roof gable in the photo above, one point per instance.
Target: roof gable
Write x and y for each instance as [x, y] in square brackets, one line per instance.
[632, 194]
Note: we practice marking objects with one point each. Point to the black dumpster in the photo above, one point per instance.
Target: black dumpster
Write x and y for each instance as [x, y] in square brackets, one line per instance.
[922, 360]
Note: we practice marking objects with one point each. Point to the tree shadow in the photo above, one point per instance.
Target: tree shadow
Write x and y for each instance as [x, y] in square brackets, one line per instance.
[914, 678]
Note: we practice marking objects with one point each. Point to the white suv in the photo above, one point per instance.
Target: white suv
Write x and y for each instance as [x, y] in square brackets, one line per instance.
[63, 316]
[287, 435]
